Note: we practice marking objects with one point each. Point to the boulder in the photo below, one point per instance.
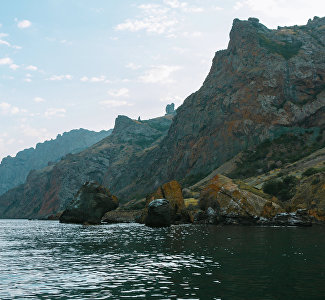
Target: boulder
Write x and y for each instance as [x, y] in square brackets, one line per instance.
[159, 213]
[89, 205]
[172, 191]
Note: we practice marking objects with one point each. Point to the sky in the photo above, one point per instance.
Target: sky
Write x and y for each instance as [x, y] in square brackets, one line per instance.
[78, 64]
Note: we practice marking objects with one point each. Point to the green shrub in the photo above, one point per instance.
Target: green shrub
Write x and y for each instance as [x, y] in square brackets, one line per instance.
[309, 172]
[282, 189]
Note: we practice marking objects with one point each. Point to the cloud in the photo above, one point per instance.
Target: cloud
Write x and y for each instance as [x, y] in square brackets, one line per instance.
[115, 103]
[154, 19]
[218, 8]
[55, 112]
[238, 5]
[159, 74]
[6, 61]
[8, 109]
[27, 80]
[101, 78]
[31, 68]
[123, 92]
[2, 42]
[38, 100]
[14, 67]
[151, 24]
[40, 133]
[24, 24]
[60, 77]
[133, 66]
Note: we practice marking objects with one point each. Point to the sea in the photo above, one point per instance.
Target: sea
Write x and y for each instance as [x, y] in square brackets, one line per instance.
[49, 260]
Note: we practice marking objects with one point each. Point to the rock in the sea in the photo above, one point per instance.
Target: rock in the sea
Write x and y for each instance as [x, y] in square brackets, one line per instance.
[159, 213]
[298, 218]
[89, 205]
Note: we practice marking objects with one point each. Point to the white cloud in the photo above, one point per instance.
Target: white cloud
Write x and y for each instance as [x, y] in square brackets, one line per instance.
[133, 66]
[14, 67]
[40, 133]
[151, 24]
[289, 11]
[8, 109]
[2, 35]
[27, 79]
[38, 100]
[84, 79]
[98, 79]
[123, 92]
[60, 77]
[115, 103]
[218, 8]
[2, 42]
[31, 68]
[159, 74]
[6, 61]
[101, 78]
[55, 112]
[24, 24]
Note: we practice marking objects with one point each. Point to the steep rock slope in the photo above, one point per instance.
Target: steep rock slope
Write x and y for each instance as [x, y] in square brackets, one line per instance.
[14, 170]
[266, 83]
[50, 189]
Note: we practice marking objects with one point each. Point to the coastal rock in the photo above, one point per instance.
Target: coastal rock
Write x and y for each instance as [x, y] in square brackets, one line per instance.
[121, 216]
[89, 205]
[172, 191]
[159, 213]
[298, 218]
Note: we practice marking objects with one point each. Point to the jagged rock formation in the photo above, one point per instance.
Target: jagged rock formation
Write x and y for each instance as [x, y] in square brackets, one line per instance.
[51, 189]
[14, 170]
[266, 83]
[170, 109]
[89, 205]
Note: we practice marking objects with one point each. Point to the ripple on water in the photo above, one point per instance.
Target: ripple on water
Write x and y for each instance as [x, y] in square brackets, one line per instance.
[49, 260]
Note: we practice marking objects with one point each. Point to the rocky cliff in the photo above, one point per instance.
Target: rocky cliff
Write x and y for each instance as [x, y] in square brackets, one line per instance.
[51, 189]
[14, 170]
[266, 84]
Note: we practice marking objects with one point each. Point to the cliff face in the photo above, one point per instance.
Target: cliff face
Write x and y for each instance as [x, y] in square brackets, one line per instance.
[51, 189]
[266, 83]
[14, 170]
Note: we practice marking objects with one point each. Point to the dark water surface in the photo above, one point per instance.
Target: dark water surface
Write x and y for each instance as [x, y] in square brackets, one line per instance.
[48, 260]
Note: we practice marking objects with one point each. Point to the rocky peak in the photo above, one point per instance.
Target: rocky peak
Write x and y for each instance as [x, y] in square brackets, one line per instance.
[121, 123]
[170, 109]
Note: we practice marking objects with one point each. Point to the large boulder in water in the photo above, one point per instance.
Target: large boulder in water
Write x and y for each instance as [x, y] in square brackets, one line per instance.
[89, 205]
[159, 213]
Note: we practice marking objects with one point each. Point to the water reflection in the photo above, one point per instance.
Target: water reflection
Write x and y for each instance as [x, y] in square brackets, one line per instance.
[48, 260]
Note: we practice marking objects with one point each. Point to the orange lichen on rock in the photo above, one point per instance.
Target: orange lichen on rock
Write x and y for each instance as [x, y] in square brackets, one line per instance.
[172, 191]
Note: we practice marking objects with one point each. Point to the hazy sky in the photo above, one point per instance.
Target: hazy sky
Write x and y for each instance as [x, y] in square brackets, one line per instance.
[68, 64]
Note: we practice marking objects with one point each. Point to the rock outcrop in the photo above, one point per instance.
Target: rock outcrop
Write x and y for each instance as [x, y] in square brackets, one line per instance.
[14, 170]
[170, 109]
[159, 213]
[50, 190]
[89, 205]
[265, 84]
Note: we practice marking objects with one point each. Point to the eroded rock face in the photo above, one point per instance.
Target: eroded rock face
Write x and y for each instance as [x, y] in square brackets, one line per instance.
[159, 213]
[89, 205]
[14, 170]
[50, 190]
[266, 83]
